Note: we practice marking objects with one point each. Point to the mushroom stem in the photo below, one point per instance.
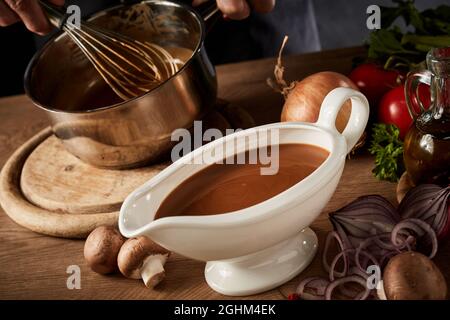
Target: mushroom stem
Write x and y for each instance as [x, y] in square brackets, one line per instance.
[380, 291]
[142, 258]
[152, 270]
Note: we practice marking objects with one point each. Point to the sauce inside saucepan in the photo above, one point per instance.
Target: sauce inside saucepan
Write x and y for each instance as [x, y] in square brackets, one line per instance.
[223, 188]
[99, 94]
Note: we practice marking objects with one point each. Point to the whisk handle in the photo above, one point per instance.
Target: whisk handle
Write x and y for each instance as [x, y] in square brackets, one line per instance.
[56, 15]
[210, 13]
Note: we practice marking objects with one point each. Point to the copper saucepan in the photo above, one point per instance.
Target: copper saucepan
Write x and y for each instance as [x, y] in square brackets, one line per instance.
[137, 131]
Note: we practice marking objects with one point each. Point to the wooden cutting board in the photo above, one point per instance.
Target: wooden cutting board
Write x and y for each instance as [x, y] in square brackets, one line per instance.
[48, 190]
[55, 180]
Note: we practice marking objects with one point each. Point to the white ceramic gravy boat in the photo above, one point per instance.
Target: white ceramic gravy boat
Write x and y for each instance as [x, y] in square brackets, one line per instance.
[261, 247]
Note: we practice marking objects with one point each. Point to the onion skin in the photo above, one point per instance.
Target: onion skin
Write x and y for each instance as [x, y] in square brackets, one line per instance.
[304, 100]
[359, 219]
[429, 203]
[444, 234]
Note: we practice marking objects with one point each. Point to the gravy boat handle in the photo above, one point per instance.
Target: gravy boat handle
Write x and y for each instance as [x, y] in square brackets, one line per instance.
[358, 117]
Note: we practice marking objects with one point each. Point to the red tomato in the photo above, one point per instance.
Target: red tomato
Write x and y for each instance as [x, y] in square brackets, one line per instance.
[374, 81]
[393, 110]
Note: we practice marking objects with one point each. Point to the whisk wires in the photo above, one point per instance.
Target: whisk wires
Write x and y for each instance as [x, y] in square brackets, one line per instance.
[130, 67]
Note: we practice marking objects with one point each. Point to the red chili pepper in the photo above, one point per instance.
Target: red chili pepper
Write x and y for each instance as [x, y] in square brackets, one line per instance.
[293, 296]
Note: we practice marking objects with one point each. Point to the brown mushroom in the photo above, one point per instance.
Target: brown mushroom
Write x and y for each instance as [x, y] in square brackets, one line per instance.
[412, 276]
[101, 249]
[141, 258]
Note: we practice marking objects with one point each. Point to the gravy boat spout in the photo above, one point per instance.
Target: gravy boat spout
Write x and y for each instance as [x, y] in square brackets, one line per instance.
[260, 247]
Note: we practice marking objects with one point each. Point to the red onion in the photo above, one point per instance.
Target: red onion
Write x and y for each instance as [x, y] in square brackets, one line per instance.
[368, 215]
[419, 227]
[330, 236]
[369, 231]
[342, 254]
[429, 203]
[370, 257]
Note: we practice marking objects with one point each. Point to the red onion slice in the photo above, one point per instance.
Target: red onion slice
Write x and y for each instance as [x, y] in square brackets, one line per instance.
[371, 258]
[348, 279]
[336, 259]
[316, 284]
[330, 236]
[415, 224]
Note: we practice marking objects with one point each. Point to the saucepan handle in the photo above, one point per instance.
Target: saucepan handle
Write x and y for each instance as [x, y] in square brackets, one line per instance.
[359, 116]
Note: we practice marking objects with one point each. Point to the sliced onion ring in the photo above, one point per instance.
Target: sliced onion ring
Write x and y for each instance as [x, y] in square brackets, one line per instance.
[414, 224]
[315, 283]
[356, 279]
[330, 236]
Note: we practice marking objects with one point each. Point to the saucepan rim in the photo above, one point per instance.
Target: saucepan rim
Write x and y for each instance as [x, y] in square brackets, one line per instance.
[34, 60]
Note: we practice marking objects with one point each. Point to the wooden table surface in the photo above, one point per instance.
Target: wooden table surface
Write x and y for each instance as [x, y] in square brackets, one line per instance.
[33, 266]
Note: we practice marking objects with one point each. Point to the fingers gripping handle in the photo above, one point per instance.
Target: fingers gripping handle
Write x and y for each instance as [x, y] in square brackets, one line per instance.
[358, 117]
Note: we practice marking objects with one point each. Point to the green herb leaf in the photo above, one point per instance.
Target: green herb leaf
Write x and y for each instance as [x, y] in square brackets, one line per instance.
[388, 150]
[413, 17]
[432, 41]
[437, 21]
[386, 43]
[431, 29]
[390, 14]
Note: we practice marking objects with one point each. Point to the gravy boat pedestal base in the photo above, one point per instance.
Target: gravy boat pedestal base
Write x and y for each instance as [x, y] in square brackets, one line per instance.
[263, 270]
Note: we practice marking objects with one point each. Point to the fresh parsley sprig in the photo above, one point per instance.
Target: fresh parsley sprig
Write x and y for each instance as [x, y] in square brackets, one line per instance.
[388, 150]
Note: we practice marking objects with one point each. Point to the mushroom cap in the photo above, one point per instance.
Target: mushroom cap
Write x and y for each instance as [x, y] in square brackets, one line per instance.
[413, 276]
[133, 253]
[101, 249]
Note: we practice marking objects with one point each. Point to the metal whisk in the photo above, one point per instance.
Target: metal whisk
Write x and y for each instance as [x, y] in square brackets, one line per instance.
[128, 66]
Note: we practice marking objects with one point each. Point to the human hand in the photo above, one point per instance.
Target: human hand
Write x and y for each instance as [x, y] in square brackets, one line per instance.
[29, 11]
[240, 9]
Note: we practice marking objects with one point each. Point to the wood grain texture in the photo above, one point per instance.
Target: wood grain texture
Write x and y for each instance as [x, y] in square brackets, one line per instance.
[54, 179]
[35, 218]
[47, 190]
[34, 266]
[403, 186]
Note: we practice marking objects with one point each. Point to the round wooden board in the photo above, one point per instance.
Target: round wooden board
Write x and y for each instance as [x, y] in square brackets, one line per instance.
[55, 180]
[46, 189]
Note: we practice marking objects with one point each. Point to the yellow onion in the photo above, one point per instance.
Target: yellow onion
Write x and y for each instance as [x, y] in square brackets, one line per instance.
[304, 98]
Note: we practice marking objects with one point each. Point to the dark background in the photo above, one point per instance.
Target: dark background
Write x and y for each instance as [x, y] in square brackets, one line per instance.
[337, 23]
